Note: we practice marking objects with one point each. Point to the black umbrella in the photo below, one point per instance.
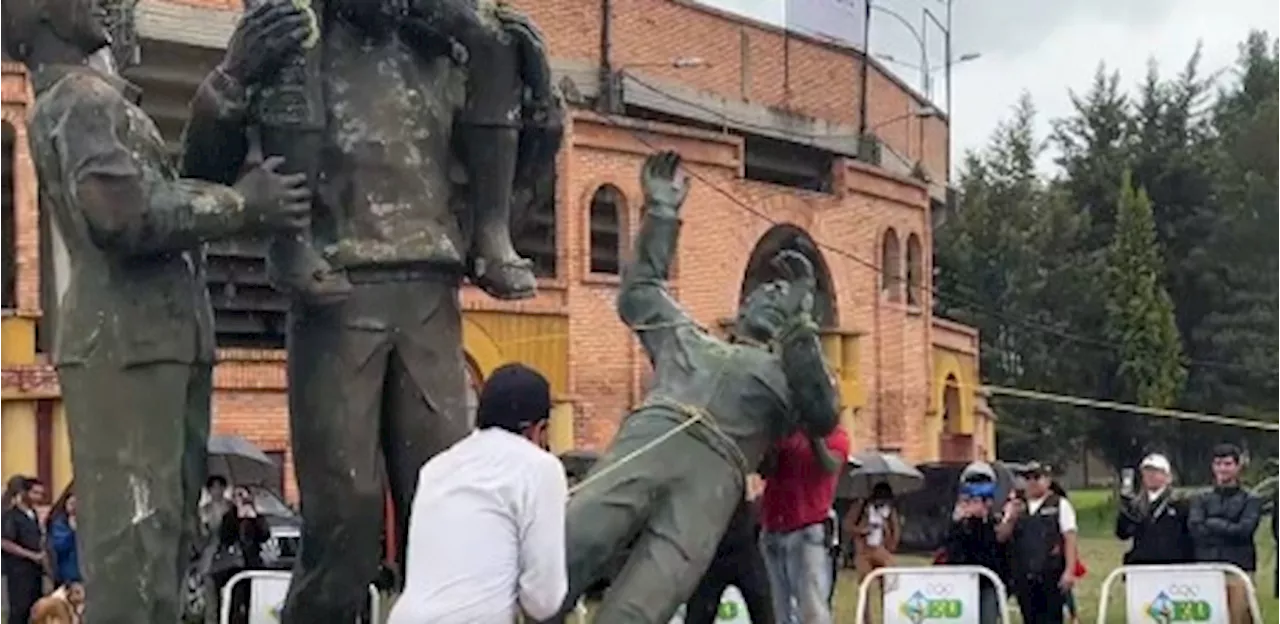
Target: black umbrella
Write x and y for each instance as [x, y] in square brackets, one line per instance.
[887, 468]
[242, 463]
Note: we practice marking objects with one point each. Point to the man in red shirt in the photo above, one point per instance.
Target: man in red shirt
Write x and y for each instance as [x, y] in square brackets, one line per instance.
[798, 496]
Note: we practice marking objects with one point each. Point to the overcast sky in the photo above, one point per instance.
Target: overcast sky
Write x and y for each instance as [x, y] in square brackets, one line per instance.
[1044, 47]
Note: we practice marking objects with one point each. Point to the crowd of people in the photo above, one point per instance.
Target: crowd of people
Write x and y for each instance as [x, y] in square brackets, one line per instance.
[41, 565]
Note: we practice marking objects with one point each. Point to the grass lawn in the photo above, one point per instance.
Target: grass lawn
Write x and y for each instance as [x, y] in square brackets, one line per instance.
[1101, 553]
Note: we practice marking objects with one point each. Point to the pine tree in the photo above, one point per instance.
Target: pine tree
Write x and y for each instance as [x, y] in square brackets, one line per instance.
[1140, 323]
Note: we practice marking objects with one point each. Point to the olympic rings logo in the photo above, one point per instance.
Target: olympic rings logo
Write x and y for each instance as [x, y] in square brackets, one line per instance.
[938, 589]
[1182, 591]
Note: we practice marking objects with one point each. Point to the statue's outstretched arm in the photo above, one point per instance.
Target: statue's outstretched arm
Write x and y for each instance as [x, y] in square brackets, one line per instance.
[644, 303]
[214, 142]
[131, 209]
[813, 396]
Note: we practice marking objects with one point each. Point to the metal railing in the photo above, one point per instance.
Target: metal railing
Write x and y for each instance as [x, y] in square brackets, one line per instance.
[224, 609]
[1223, 568]
[1002, 594]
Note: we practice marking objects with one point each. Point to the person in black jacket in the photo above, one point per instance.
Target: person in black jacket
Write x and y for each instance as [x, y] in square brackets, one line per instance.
[1154, 519]
[971, 538]
[1222, 523]
[240, 538]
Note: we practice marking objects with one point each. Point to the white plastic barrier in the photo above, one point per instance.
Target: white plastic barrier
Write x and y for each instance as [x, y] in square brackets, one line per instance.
[935, 595]
[1176, 593]
[267, 591]
[733, 609]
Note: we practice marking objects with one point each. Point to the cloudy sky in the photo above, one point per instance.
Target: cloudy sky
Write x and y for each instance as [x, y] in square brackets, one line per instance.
[1043, 47]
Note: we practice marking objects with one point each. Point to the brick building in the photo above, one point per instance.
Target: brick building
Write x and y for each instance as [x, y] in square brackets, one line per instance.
[769, 126]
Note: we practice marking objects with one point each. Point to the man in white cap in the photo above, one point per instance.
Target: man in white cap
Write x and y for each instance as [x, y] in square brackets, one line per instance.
[1154, 519]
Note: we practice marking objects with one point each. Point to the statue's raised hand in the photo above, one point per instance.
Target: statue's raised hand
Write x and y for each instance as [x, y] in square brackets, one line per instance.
[798, 270]
[664, 184]
[268, 32]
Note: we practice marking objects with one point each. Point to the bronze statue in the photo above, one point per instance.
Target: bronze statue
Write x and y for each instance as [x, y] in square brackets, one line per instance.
[422, 119]
[135, 344]
[674, 474]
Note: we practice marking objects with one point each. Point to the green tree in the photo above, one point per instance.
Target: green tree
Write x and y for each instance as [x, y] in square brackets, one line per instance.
[1005, 265]
[1147, 366]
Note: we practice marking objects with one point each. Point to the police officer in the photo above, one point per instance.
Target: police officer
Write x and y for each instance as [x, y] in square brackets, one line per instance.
[1041, 537]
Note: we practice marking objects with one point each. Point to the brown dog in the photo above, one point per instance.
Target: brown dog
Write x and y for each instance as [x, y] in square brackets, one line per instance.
[63, 606]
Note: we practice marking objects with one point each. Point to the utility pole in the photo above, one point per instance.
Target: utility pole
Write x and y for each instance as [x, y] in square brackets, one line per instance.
[866, 61]
[947, 58]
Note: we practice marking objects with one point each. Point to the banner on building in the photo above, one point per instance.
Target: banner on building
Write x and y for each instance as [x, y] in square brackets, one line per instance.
[933, 598]
[842, 22]
[1162, 596]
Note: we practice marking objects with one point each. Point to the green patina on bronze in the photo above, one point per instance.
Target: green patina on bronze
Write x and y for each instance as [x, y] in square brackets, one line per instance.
[415, 124]
[134, 348]
[664, 509]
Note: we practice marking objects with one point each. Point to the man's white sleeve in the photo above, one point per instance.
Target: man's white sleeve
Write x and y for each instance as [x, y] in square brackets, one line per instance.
[544, 579]
[1066, 516]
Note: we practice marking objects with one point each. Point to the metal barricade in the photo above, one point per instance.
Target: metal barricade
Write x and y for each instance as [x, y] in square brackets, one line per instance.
[1165, 571]
[1002, 594]
[224, 609]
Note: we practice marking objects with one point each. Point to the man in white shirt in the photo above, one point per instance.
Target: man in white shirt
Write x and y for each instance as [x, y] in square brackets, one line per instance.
[1041, 533]
[486, 533]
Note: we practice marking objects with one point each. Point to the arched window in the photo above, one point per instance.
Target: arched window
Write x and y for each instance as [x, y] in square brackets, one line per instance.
[606, 215]
[915, 270]
[533, 228]
[950, 405]
[10, 252]
[891, 266]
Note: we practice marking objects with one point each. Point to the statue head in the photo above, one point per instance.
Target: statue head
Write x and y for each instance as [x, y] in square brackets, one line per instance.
[37, 32]
[763, 313]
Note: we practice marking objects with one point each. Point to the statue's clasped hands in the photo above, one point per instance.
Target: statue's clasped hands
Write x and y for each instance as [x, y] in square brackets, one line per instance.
[664, 184]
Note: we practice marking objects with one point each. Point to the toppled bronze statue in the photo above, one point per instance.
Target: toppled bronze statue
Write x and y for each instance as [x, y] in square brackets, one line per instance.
[416, 121]
[135, 337]
[674, 474]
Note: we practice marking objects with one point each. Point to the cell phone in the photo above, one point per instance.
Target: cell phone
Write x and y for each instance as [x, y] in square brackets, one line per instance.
[1126, 482]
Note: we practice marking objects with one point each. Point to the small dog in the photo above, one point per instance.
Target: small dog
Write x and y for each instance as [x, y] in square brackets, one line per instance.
[63, 606]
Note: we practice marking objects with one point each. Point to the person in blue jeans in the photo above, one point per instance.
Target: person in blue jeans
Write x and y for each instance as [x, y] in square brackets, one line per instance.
[61, 530]
[800, 487]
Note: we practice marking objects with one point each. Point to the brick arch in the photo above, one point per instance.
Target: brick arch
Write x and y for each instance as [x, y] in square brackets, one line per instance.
[788, 236]
[914, 255]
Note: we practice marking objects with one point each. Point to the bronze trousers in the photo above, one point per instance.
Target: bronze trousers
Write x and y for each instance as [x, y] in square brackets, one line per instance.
[376, 387]
[139, 442]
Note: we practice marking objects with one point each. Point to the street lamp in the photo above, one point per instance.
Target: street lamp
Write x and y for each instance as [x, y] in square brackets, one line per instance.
[928, 111]
[963, 58]
[682, 62]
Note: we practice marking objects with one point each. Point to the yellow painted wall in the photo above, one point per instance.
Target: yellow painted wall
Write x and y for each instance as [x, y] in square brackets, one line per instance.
[17, 340]
[492, 339]
[62, 471]
[18, 439]
[841, 352]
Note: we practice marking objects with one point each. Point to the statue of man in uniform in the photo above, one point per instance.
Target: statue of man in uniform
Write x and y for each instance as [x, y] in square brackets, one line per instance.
[667, 487]
[413, 170]
[135, 337]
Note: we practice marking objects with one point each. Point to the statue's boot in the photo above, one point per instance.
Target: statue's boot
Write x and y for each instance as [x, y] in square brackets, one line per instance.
[491, 153]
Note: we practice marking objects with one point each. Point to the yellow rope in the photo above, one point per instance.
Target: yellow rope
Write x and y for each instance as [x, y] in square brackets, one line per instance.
[648, 446]
[1216, 419]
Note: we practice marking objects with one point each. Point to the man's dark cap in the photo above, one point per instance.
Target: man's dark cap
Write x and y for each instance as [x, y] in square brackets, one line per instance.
[514, 398]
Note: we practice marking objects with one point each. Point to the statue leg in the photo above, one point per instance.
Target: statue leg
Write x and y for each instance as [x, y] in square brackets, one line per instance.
[337, 363]
[131, 429]
[294, 265]
[489, 141]
[425, 390]
[677, 546]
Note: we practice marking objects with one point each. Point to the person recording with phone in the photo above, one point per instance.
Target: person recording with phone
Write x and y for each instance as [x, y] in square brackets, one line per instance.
[240, 539]
[1154, 518]
[971, 538]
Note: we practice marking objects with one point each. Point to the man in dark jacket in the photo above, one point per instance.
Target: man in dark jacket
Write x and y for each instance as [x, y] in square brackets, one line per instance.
[1222, 524]
[971, 538]
[1154, 519]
